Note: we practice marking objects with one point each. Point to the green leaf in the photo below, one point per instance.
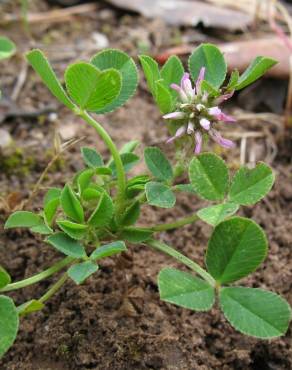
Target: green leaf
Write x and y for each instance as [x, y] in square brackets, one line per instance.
[131, 214]
[108, 250]
[52, 194]
[90, 88]
[7, 48]
[236, 248]
[256, 312]
[91, 193]
[164, 100]
[104, 171]
[22, 219]
[81, 271]
[84, 179]
[130, 147]
[172, 72]
[251, 185]
[133, 190]
[75, 231]
[129, 161]
[206, 87]
[29, 307]
[209, 176]
[159, 195]
[210, 57]
[158, 164]
[4, 278]
[66, 245]
[254, 71]
[42, 228]
[185, 290]
[234, 77]
[151, 71]
[136, 184]
[215, 214]
[50, 209]
[43, 68]
[136, 234]
[103, 213]
[71, 205]
[112, 58]
[188, 188]
[8, 324]
[91, 157]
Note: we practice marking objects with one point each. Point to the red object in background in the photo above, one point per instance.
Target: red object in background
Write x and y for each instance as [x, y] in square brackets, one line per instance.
[238, 54]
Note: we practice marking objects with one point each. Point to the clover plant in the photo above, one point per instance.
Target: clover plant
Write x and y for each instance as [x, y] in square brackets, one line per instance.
[97, 213]
[7, 47]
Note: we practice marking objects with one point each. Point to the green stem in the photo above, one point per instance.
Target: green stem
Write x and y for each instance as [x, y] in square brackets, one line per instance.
[38, 277]
[174, 225]
[181, 258]
[54, 288]
[178, 170]
[121, 176]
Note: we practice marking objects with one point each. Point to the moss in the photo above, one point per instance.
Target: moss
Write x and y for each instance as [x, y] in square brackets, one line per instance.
[16, 163]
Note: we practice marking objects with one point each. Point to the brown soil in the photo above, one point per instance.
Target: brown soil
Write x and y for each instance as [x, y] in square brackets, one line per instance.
[115, 321]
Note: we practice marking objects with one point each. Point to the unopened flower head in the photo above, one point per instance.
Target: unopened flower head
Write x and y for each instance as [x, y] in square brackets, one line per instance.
[197, 114]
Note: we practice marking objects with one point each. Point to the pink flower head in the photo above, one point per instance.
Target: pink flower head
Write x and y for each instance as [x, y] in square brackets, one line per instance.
[199, 112]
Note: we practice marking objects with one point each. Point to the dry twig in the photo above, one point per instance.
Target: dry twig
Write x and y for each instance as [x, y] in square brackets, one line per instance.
[52, 16]
[63, 148]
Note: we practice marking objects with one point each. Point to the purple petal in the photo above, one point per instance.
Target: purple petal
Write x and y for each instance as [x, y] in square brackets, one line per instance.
[223, 98]
[174, 115]
[200, 79]
[185, 77]
[182, 94]
[217, 113]
[199, 140]
[205, 123]
[226, 118]
[186, 85]
[225, 143]
[180, 132]
[175, 87]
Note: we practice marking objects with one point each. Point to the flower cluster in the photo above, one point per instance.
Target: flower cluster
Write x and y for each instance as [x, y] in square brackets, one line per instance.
[197, 114]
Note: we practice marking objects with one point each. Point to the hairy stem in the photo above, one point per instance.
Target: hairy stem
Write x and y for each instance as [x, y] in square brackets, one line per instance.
[54, 288]
[162, 247]
[38, 277]
[178, 170]
[174, 225]
[121, 176]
